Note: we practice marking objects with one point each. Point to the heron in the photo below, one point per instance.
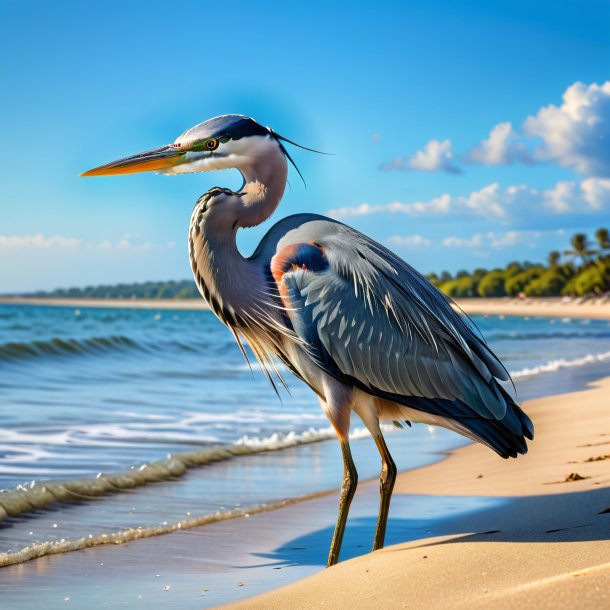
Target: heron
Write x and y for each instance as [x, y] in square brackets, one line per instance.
[362, 328]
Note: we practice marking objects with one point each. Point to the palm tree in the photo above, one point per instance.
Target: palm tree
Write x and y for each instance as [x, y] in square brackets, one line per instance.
[553, 259]
[580, 248]
[603, 239]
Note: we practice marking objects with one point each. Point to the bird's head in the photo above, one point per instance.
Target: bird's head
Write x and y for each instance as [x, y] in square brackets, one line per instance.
[227, 141]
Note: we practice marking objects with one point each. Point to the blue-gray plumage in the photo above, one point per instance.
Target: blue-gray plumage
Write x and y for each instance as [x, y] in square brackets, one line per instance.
[360, 326]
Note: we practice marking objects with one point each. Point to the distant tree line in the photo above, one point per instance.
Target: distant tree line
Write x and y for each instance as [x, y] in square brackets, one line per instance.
[582, 269]
[182, 289]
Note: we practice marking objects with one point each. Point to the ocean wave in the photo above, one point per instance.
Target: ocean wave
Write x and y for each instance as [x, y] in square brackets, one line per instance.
[88, 346]
[58, 347]
[561, 363]
[40, 495]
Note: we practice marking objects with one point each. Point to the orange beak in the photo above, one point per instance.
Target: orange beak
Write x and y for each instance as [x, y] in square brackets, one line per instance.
[151, 160]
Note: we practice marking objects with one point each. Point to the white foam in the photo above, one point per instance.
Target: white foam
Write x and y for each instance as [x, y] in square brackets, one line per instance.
[279, 440]
[560, 363]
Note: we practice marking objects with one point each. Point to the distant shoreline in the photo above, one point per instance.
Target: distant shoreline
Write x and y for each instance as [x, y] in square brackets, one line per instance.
[552, 307]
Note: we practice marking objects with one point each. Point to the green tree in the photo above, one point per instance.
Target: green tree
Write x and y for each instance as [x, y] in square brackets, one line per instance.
[603, 239]
[461, 287]
[580, 248]
[512, 269]
[554, 258]
[445, 276]
[592, 279]
[492, 284]
[517, 283]
[551, 282]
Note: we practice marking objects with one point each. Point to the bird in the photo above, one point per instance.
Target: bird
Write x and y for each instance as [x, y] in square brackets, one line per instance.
[362, 328]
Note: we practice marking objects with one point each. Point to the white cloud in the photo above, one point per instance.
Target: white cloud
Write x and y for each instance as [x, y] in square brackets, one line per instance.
[487, 202]
[409, 241]
[516, 203]
[127, 242]
[57, 242]
[577, 133]
[589, 196]
[37, 241]
[439, 205]
[459, 242]
[503, 147]
[436, 156]
[496, 240]
[36, 262]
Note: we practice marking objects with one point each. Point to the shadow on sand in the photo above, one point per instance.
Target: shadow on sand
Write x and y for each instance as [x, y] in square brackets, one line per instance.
[567, 517]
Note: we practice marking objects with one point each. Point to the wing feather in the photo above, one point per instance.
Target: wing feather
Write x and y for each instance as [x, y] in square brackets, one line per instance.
[372, 319]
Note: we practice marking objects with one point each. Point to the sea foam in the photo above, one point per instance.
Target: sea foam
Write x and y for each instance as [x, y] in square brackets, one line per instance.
[561, 363]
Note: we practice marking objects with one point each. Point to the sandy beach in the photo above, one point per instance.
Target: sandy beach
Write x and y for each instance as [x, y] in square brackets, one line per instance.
[594, 309]
[547, 548]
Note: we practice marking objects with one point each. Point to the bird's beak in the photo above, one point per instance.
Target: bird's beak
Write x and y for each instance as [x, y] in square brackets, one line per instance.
[151, 160]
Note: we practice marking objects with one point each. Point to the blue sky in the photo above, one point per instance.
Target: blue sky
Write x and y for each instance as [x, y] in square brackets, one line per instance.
[405, 95]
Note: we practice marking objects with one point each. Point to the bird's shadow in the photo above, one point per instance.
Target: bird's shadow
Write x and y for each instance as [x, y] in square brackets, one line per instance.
[568, 517]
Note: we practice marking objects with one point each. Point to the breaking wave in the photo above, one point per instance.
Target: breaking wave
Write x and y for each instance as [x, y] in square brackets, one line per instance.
[561, 363]
[40, 495]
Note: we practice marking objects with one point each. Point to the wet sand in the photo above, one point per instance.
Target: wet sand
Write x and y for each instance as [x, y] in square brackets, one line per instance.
[595, 309]
[470, 531]
[545, 546]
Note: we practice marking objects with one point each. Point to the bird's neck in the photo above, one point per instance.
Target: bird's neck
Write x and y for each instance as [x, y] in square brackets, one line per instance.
[224, 277]
[263, 188]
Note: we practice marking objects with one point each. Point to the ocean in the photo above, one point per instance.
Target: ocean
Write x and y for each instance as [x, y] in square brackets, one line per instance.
[123, 423]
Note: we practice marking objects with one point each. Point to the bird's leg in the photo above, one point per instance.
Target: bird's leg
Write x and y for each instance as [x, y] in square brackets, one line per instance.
[348, 489]
[387, 480]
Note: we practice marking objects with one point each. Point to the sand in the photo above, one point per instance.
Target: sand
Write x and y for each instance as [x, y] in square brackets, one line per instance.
[548, 547]
[595, 309]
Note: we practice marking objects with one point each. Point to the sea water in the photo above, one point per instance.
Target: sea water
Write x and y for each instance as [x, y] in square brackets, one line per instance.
[119, 422]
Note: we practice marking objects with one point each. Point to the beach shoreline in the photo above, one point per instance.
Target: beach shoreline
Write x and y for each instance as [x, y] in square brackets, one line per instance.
[594, 309]
[547, 547]
[490, 513]
[556, 550]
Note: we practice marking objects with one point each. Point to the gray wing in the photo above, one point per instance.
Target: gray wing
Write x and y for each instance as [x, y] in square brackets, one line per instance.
[368, 317]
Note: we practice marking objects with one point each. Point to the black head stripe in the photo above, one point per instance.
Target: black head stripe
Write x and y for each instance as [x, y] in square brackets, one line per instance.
[236, 127]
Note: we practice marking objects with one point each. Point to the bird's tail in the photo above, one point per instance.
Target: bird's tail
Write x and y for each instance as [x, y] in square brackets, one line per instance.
[505, 436]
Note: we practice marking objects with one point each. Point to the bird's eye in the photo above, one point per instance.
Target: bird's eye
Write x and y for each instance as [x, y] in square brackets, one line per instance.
[211, 144]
